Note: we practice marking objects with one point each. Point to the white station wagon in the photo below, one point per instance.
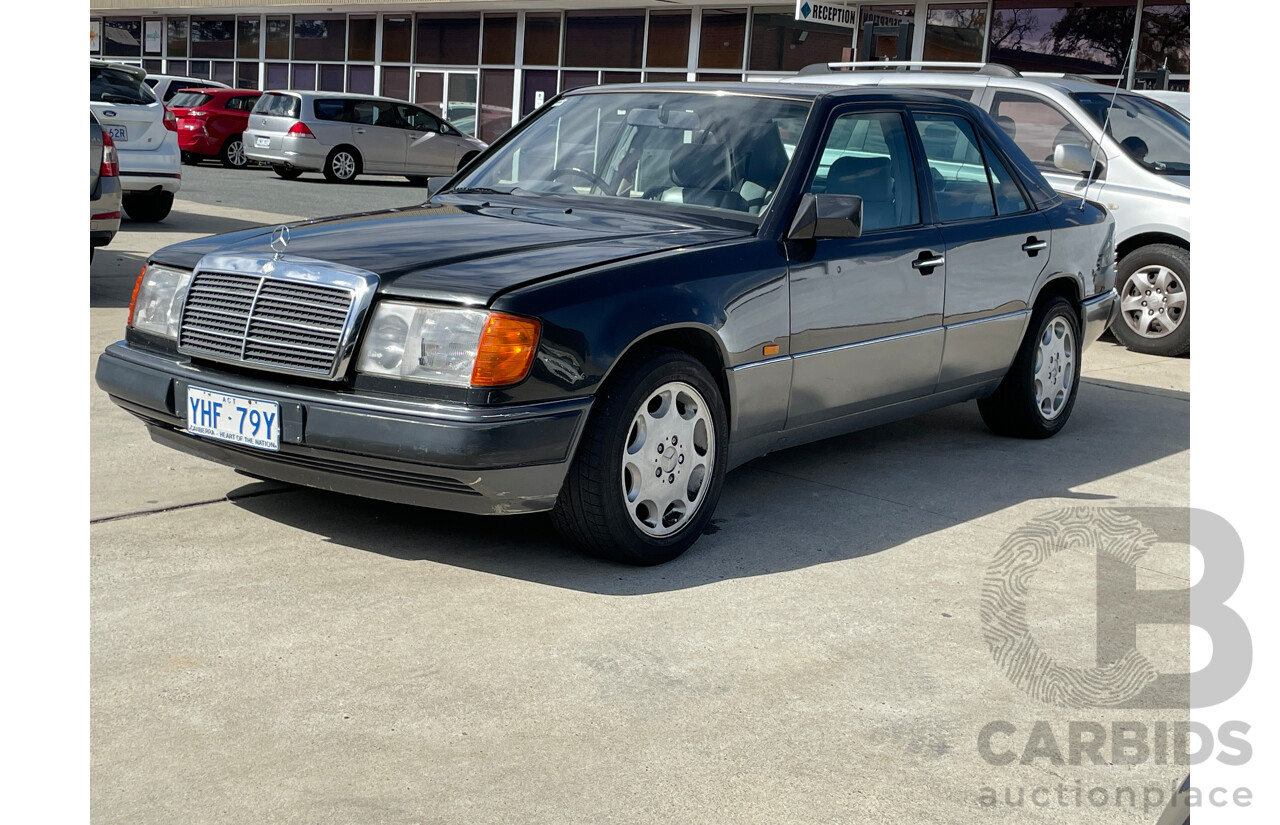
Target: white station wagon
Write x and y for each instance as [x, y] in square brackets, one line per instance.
[344, 135]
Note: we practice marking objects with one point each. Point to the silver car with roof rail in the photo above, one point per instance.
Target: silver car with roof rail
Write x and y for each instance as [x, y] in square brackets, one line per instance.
[345, 135]
[1142, 173]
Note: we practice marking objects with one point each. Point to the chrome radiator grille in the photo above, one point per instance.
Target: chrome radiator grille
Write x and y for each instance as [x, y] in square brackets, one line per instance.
[280, 324]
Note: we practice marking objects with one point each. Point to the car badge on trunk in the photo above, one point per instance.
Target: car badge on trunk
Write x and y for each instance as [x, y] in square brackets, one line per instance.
[280, 239]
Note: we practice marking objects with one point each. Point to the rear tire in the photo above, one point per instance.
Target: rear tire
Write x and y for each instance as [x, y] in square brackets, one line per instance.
[1037, 395]
[191, 159]
[467, 158]
[148, 207]
[342, 165]
[418, 180]
[232, 154]
[286, 172]
[661, 415]
[1155, 302]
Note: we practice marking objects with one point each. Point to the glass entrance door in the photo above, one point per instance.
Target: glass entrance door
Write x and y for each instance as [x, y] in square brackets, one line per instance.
[458, 106]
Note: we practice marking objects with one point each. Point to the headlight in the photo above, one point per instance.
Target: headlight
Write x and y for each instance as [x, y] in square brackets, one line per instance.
[457, 347]
[157, 300]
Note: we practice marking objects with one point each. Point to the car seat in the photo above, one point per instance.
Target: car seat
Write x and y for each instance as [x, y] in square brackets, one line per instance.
[872, 180]
[703, 175]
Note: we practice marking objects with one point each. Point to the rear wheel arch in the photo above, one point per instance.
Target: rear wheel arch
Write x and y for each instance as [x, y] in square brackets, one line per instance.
[1135, 243]
[1064, 286]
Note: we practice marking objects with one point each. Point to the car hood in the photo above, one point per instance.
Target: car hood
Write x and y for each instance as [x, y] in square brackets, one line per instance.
[461, 252]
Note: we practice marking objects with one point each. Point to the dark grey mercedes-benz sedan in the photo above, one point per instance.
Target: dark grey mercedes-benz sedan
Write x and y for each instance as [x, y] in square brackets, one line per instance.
[632, 292]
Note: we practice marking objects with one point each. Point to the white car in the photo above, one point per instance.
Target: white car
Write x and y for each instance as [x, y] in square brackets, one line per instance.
[1142, 173]
[145, 134]
[167, 85]
[1180, 102]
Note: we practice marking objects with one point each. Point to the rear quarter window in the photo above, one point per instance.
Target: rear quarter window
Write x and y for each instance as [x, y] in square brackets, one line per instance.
[278, 105]
[331, 110]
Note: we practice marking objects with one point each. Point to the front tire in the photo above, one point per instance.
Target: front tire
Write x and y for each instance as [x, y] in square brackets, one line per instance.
[232, 154]
[1037, 395]
[148, 207]
[1155, 304]
[342, 165]
[649, 470]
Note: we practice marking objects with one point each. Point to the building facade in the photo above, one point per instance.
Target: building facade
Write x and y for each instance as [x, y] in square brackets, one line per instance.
[484, 65]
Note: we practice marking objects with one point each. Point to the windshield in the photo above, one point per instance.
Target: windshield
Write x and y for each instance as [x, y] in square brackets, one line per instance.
[1151, 134]
[717, 151]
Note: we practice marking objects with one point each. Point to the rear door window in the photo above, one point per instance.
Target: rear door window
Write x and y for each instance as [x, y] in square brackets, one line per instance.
[968, 181]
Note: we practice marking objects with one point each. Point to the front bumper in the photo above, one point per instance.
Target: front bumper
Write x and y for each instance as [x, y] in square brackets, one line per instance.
[1096, 314]
[498, 460]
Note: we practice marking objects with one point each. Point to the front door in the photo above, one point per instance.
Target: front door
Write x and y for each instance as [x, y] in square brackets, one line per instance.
[866, 313]
[432, 150]
[377, 134]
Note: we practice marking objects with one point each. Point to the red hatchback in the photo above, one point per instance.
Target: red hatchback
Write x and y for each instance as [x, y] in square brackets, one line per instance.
[210, 122]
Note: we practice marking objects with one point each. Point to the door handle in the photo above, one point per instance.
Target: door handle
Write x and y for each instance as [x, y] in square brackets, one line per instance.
[1033, 245]
[926, 261]
[359, 131]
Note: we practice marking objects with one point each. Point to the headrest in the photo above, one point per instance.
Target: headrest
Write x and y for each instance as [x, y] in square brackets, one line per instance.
[1005, 122]
[766, 159]
[701, 166]
[869, 178]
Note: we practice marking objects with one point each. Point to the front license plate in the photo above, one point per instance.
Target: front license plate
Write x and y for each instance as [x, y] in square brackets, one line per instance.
[262, 142]
[119, 134]
[249, 421]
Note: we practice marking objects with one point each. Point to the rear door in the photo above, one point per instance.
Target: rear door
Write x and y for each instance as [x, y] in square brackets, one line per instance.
[996, 247]
[431, 150]
[127, 108]
[376, 132]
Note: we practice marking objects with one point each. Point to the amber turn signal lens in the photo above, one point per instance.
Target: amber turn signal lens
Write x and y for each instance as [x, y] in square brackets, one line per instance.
[133, 299]
[507, 346]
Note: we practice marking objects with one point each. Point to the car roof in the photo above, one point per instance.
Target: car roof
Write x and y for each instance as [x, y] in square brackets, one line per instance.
[793, 91]
[137, 72]
[182, 77]
[1065, 83]
[334, 95]
[216, 90]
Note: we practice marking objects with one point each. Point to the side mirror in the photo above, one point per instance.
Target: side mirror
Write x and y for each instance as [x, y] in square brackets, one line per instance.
[435, 184]
[826, 216]
[1076, 159]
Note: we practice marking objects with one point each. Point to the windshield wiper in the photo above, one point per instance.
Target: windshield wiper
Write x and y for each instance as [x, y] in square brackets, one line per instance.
[481, 190]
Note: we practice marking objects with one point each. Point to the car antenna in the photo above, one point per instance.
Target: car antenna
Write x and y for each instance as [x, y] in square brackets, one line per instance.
[1106, 122]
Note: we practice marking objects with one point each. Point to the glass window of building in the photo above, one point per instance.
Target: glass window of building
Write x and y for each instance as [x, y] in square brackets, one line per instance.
[248, 37]
[886, 44]
[397, 39]
[320, 37]
[331, 77]
[780, 43]
[122, 37]
[1057, 36]
[723, 38]
[496, 89]
[362, 35]
[360, 80]
[176, 35]
[395, 83]
[448, 39]
[277, 76]
[247, 75]
[1166, 38]
[499, 39]
[542, 39]
[608, 39]
[278, 39]
[304, 76]
[224, 71]
[954, 31]
[669, 38]
[213, 37]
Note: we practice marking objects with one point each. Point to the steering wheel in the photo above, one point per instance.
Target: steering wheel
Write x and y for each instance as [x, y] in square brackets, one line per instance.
[597, 181]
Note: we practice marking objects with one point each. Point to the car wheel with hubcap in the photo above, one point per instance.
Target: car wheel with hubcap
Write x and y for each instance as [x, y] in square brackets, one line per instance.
[342, 165]
[1155, 305]
[232, 155]
[286, 172]
[147, 207]
[1037, 395]
[651, 464]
